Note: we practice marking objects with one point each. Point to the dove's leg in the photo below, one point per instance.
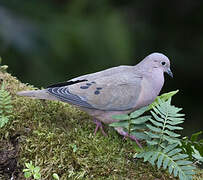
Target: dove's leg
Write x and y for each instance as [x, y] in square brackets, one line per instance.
[99, 125]
[125, 134]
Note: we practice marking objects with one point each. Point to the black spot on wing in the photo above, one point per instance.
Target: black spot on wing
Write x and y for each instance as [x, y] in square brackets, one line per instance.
[99, 88]
[84, 87]
[64, 95]
[67, 83]
[96, 92]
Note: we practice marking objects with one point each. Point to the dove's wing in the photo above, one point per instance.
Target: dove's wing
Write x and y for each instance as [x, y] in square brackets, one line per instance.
[109, 92]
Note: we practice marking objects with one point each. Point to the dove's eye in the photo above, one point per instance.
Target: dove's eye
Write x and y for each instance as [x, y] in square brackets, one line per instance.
[163, 63]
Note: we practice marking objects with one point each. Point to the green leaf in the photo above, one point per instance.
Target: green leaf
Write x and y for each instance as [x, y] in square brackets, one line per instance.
[195, 136]
[152, 142]
[152, 135]
[155, 129]
[153, 158]
[173, 127]
[140, 155]
[176, 119]
[170, 167]
[171, 140]
[183, 162]
[55, 176]
[187, 168]
[138, 127]
[26, 170]
[175, 171]
[160, 160]
[36, 169]
[139, 135]
[189, 172]
[147, 155]
[172, 134]
[140, 120]
[164, 97]
[174, 151]
[119, 124]
[157, 117]
[139, 112]
[158, 124]
[3, 121]
[170, 147]
[28, 164]
[179, 156]
[165, 163]
[37, 176]
[27, 174]
[121, 117]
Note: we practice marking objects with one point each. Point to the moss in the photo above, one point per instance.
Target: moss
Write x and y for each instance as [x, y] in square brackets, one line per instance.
[59, 138]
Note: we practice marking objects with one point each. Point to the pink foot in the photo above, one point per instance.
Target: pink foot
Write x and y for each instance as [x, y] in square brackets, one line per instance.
[99, 125]
[125, 134]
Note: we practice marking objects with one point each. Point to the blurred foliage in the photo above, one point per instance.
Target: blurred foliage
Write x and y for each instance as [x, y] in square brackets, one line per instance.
[59, 38]
[47, 41]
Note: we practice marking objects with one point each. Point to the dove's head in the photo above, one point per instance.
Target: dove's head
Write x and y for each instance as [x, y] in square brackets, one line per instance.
[158, 60]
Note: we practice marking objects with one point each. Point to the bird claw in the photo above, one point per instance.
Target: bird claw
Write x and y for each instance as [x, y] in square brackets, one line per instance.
[99, 126]
[126, 135]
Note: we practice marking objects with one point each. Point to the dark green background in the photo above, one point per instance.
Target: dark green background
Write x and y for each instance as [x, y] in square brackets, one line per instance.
[47, 41]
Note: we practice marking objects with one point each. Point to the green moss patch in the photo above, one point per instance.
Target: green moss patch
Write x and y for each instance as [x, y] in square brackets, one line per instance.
[59, 139]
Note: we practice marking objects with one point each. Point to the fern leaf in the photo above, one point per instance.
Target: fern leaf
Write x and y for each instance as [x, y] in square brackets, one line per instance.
[121, 117]
[140, 155]
[173, 127]
[179, 156]
[155, 129]
[171, 140]
[156, 117]
[183, 162]
[187, 168]
[3, 121]
[152, 142]
[175, 172]
[169, 148]
[5, 106]
[147, 155]
[160, 160]
[171, 167]
[152, 135]
[189, 172]
[174, 122]
[139, 112]
[174, 151]
[139, 127]
[158, 124]
[140, 120]
[165, 163]
[164, 97]
[120, 124]
[176, 119]
[139, 135]
[153, 158]
[172, 134]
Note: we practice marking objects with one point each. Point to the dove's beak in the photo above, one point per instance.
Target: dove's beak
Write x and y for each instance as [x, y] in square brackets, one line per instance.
[169, 72]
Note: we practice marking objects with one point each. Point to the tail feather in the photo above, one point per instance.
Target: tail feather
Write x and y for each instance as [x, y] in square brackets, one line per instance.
[38, 94]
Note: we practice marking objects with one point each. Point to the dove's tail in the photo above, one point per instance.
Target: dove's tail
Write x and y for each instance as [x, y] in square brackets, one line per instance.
[38, 94]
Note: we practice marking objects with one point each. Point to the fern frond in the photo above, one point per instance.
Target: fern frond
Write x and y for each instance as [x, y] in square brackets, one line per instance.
[171, 159]
[164, 97]
[160, 133]
[6, 107]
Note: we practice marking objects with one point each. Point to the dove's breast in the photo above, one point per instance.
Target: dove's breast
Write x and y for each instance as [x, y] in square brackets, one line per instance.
[150, 89]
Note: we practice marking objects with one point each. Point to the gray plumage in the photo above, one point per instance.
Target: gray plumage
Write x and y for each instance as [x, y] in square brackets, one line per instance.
[117, 90]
